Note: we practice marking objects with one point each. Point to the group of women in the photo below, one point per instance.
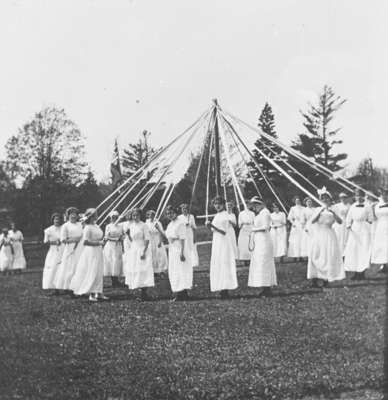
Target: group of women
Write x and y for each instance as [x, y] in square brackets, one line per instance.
[12, 258]
[333, 237]
[81, 254]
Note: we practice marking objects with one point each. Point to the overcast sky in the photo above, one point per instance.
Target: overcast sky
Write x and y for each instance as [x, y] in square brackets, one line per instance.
[118, 67]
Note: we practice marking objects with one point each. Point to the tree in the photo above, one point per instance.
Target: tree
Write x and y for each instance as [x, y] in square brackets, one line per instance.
[320, 139]
[89, 192]
[369, 176]
[267, 125]
[49, 146]
[137, 154]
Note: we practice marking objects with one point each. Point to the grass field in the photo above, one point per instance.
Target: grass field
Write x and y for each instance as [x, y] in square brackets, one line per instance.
[301, 343]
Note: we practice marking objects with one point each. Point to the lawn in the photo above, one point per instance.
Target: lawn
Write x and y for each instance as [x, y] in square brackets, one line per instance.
[301, 343]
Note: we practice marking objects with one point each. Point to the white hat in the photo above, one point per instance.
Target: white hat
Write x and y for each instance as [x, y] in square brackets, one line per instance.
[256, 200]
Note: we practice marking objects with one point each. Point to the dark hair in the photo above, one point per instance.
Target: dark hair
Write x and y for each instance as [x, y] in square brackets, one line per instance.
[183, 205]
[136, 210]
[71, 210]
[4, 230]
[218, 199]
[151, 212]
[171, 208]
[56, 215]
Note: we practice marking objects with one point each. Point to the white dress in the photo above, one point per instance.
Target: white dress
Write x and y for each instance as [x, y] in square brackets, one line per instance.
[308, 230]
[358, 246]
[19, 261]
[70, 256]
[6, 256]
[158, 253]
[89, 274]
[296, 246]
[380, 241]
[138, 273]
[262, 272]
[325, 257]
[53, 257]
[245, 223]
[190, 225]
[279, 233]
[126, 244]
[180, 273]
[113, 250]
[231, 233]
[341, 210]
[223, 274]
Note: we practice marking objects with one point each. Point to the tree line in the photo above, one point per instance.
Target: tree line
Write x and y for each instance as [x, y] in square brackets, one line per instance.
[45, 169]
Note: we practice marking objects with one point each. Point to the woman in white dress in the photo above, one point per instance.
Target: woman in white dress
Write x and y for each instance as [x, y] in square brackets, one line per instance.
[341, 209]
[296, 216]
[16, 236]
[231, 233]
[125, 225]
[189, 221]
[71, 234]
[89, 275]
[359, 241]
[325, 258]
[380, 241]
[6, 252]
[158, 251]
[308, 230]
[245, 223]
[180, 269]
[278, 232]
[223, 276]
[138, 269]
[52, 237]
[262, 272]
[113, 250]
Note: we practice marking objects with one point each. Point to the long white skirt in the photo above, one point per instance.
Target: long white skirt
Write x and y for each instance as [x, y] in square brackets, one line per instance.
[243, 243]
[51, 266]
[159, 256]
[341, 233]
[380, 242]
[262, 271]
[223, 274]
[279, 241]
[19, 261]
[297, 246]
[325, 258]
[6, 258]
[138, 273]
[192, 247]
[358, 247]
[89, 275]
[113, 258]
[67, 266]
[180, 274]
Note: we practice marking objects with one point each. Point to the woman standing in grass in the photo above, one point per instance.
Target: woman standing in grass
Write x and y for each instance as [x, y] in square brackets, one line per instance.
[262, 272]
[180, 269]
[138, 269]
[52, 237]
[231, 232]
[113, 249]
[341, 209]
[89, 275]
[71, 234]
[308, 230]
[296, 216]
[6, 251]
[189, 221]
[380, 240]
[223, 276]
[245, 223]
[158, 251]
[325, 257]
[16, 236]
[278, 232]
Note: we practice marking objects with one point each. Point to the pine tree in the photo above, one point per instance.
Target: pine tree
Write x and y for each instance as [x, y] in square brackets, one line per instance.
[137, 154]
[320, 138]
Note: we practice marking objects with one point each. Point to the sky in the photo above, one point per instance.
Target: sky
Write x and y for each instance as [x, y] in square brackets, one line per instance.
[119, 67]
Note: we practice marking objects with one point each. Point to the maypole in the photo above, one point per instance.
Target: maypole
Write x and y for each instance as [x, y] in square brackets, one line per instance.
[217, 149]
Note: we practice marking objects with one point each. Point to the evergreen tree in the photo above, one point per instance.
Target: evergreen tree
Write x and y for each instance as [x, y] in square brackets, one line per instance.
[137, 154]
[89, 192]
